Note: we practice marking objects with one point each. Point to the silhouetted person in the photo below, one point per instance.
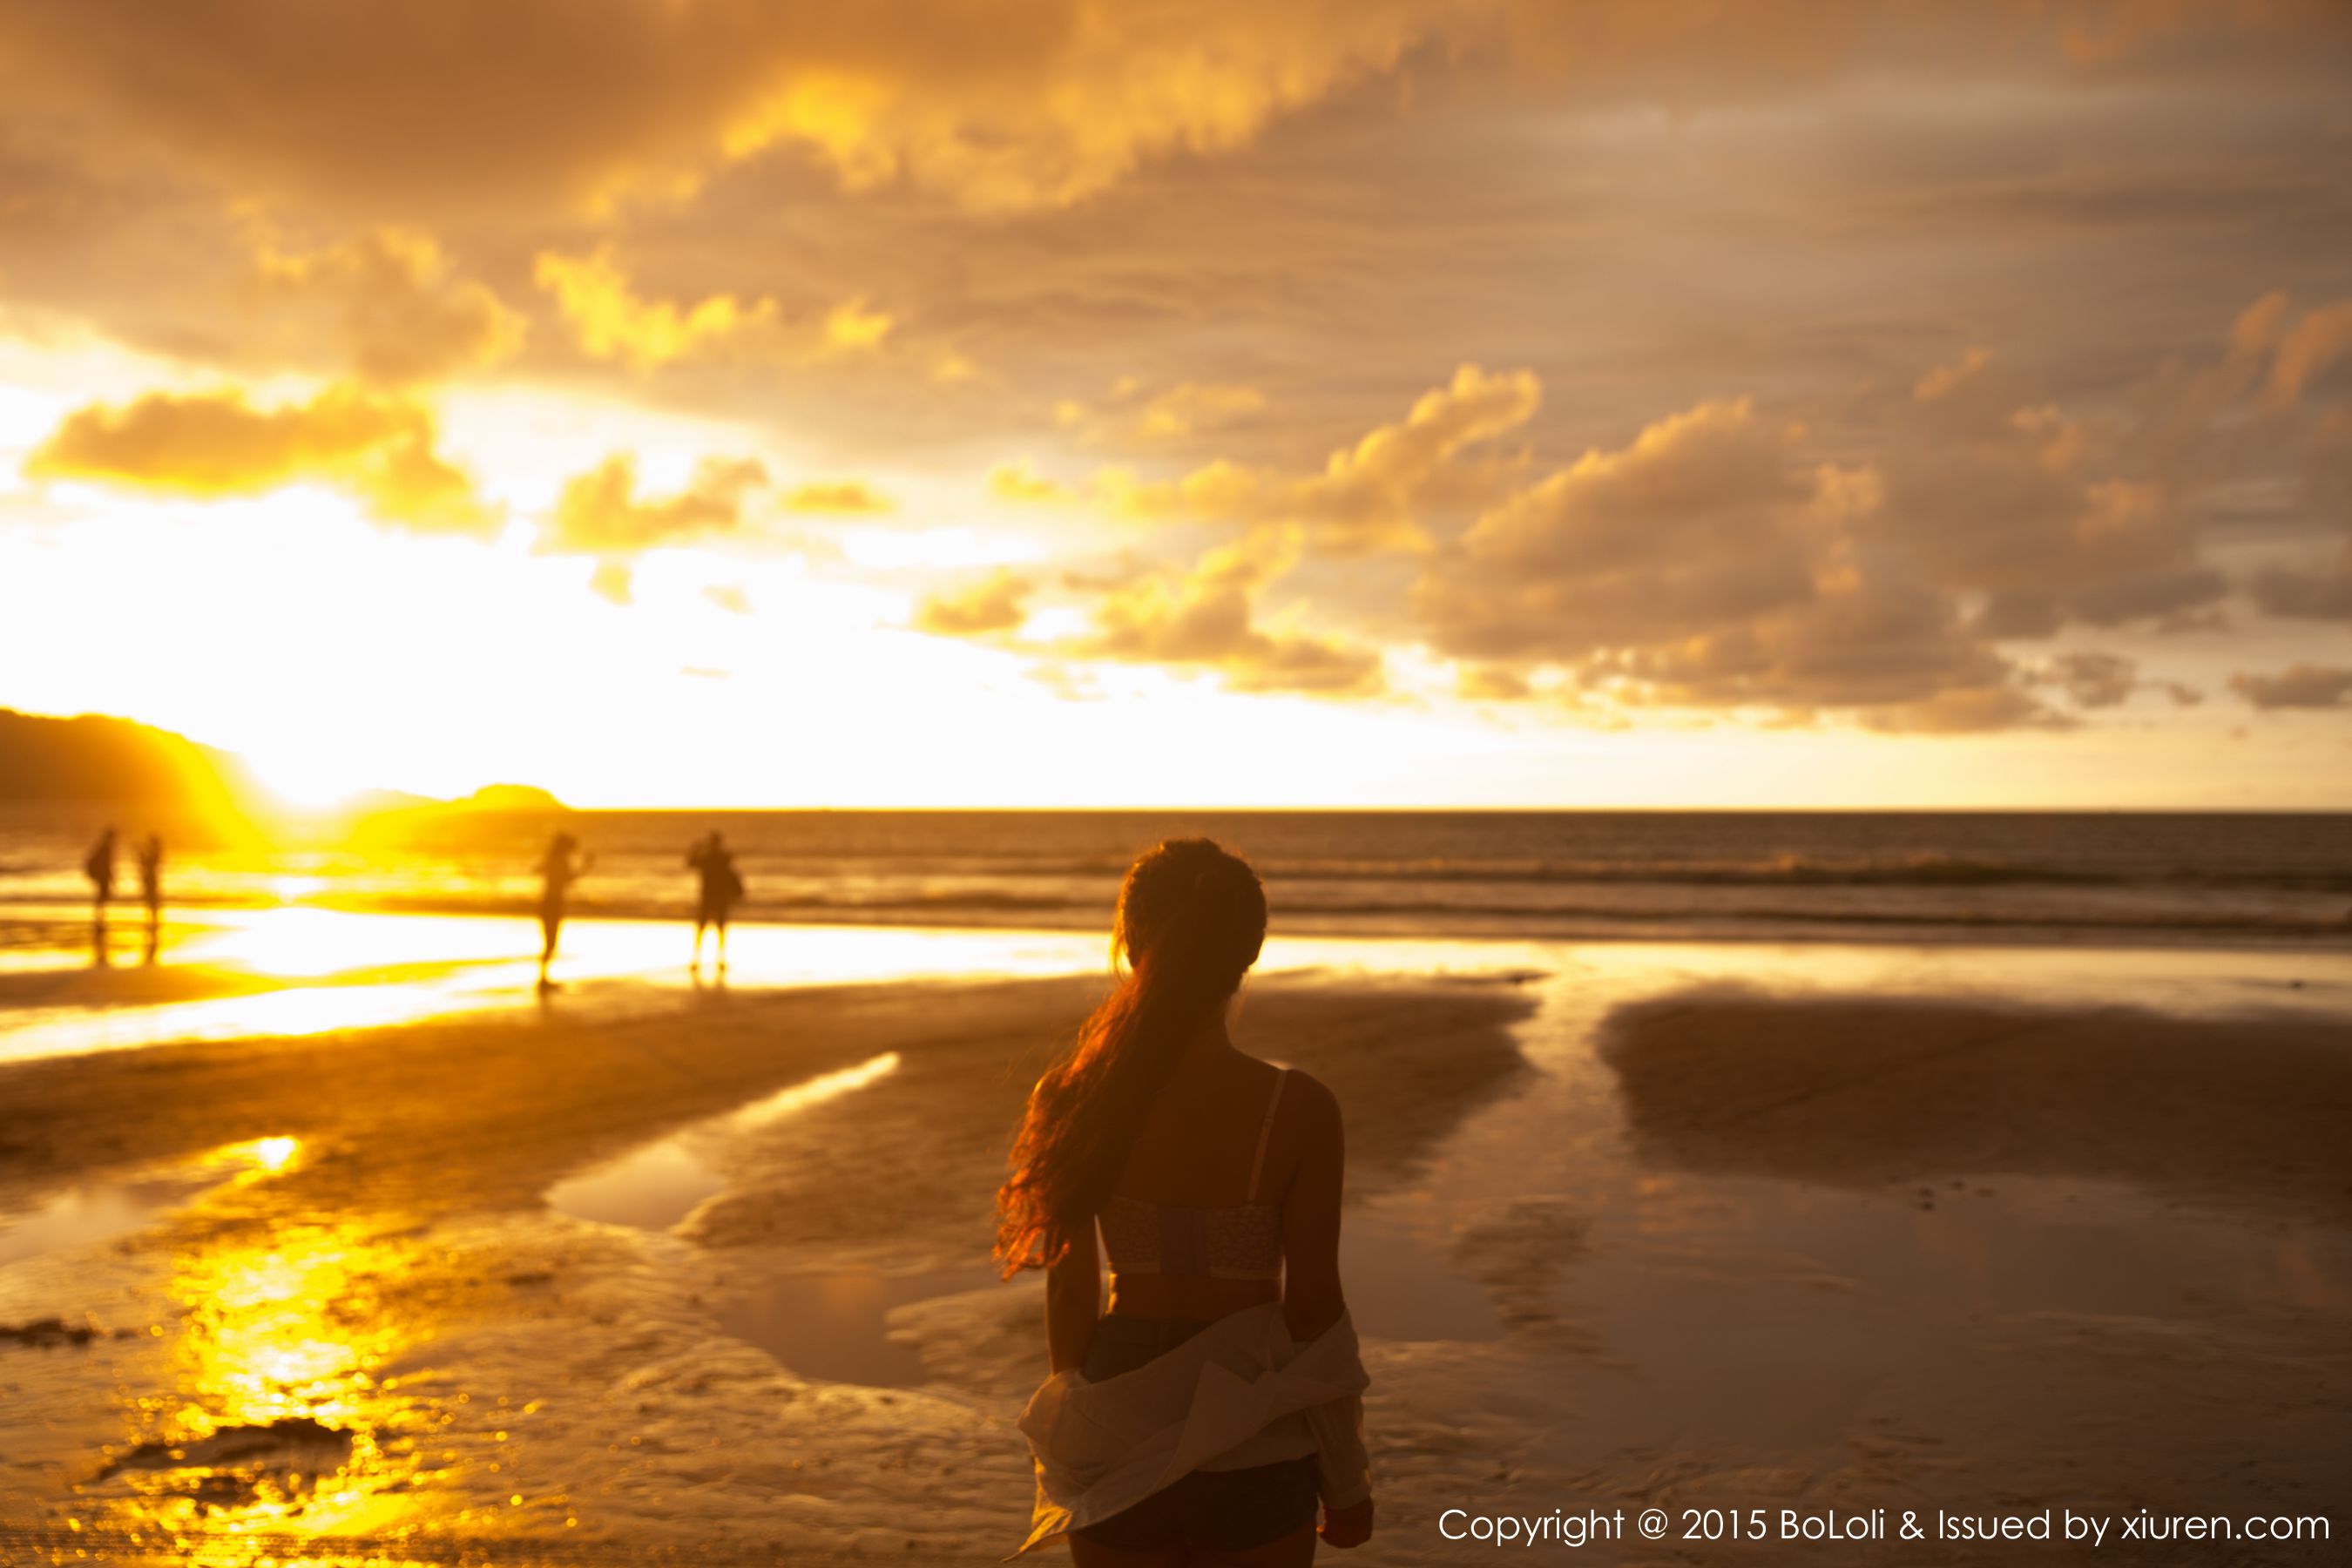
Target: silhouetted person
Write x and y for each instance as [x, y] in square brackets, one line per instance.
[722, 890]
[99, 869]
[150, 889]
[557, 872]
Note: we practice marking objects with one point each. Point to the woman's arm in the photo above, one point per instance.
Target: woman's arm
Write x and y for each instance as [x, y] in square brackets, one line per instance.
[1072, 1301]
[1311, 1300]
[1312, 1303]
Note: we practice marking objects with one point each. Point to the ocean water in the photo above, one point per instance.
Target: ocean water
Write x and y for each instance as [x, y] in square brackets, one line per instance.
[2009, 877]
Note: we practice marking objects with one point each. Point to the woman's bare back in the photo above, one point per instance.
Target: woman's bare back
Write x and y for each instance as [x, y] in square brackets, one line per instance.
[1196, 1149]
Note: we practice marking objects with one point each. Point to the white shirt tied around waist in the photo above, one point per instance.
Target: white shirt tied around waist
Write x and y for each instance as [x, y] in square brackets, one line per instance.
[1239, 1392]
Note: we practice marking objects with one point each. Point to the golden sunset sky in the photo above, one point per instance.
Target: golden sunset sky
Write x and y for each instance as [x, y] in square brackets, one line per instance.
[1251, 402]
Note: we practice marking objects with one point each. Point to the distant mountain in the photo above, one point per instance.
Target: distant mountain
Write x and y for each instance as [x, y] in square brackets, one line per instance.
[98, 761]
[114, 761]
[510, 797]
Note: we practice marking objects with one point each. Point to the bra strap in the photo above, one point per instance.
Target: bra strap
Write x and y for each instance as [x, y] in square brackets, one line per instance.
[1265, 1131]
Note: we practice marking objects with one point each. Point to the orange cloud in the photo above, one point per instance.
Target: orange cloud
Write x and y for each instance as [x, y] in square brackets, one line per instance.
[1941, 381]
[612, 321]
[613, 582]
[1491, 683]
[1187, 408]
[600, 512]
[1021, 484]
[1368, 496]
[1211, 624]
[1204, 619]
[378, 451]
[949, 368]
[999, 602]
[403, 316]
[1058, 105]
[1193, 405]
[846, 496]
[851, 326]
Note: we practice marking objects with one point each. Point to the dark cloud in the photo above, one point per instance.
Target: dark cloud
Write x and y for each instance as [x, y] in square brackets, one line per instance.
[1985, 489]
[1710, 563]
[2321, 590]
[1705, 519]
[1896, 658]
[2297, 686]
[2094, 680]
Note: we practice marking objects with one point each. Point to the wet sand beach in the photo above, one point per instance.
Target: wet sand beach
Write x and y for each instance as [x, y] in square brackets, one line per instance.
[2241, 1112]
[657, 1273]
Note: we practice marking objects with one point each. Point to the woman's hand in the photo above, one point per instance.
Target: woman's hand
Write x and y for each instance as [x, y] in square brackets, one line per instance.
[1349, 1526]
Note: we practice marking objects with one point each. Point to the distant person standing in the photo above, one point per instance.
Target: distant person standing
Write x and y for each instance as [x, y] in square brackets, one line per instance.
[150, 889]
[722, 890]
[557, 871]
[99, 869]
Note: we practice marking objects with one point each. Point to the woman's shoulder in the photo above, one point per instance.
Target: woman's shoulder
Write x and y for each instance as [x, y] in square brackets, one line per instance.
[1304, 1096]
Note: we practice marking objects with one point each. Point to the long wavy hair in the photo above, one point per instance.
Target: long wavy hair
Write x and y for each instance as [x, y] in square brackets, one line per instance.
[1192, 918]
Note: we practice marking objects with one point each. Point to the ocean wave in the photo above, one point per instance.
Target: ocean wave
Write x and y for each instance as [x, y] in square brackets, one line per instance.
[1923, 870]
[2184, 919]
[2164, 921]
[1926, 870]
[1772, 870]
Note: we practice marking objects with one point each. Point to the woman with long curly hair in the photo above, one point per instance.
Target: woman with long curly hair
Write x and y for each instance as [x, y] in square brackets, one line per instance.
[1203, 1413]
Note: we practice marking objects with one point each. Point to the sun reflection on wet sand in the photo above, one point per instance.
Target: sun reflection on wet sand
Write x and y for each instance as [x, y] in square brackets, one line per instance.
[269, 1422]
[85, 1215]
[280, 1410]
[656, 1185]
[266, 1015]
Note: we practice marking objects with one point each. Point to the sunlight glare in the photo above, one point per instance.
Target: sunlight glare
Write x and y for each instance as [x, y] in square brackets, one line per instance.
[273, 1153]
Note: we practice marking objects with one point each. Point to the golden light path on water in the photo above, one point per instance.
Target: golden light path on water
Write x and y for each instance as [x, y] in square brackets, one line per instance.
[295, 971]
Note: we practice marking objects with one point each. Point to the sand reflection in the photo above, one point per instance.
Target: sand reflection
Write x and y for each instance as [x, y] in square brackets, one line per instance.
[656, 1185]
[269, 1422]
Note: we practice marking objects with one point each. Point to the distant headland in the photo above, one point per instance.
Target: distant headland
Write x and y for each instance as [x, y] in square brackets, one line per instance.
[96, 760]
